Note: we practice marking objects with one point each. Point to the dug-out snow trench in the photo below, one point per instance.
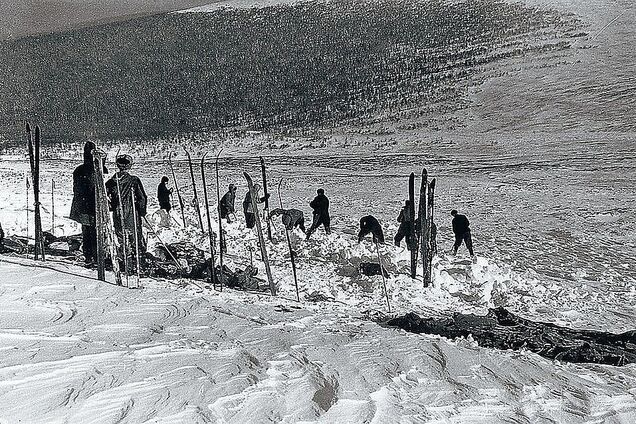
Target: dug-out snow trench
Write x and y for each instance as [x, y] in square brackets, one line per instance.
[504, 330]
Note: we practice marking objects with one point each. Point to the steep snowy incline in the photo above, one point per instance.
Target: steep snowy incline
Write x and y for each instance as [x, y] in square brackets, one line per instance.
[77, 350]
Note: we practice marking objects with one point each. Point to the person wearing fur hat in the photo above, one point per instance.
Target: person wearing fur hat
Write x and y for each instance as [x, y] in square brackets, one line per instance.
[226, 208]
[83, 205]
[250, 217]
[124, 219]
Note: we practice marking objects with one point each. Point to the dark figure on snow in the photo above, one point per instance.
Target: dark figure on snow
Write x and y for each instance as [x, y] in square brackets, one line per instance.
[83, 205]
[123, 216]
[462, 232]
[163, 195]
[320, 205]
[226, 208]
[404, 218]
[369, 224]
[250, 216]
[292, 218]
[1, 239]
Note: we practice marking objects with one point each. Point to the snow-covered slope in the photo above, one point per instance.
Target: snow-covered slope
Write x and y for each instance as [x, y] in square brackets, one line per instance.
[81, 351]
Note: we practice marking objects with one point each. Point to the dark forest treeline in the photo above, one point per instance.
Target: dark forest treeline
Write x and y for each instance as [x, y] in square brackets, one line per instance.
[311, 64]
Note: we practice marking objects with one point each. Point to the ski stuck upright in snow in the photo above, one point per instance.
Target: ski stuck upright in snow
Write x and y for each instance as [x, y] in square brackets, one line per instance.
[33, 144]
[259, 232]
[206, 204]
[104, 222]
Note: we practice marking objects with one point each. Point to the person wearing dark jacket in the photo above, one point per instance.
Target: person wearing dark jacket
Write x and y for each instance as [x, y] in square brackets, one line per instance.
[123, 217]
[320, 205]
[163, 195]
[292, 218]
[462, 232]
[226, 208]
[83, 204]
[404, 218]
[369, 224]
[250, 215]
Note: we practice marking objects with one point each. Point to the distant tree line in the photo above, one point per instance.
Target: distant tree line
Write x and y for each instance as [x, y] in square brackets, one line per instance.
[308, 65]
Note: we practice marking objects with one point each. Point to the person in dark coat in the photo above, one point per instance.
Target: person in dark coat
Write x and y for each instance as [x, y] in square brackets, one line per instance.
[163, 195]
[369, 224]
[320, 205]
[404, 218]
[123, 218]
[226, 208]
[250, 216]
[292, 218]
[83, 204]
[462, 232]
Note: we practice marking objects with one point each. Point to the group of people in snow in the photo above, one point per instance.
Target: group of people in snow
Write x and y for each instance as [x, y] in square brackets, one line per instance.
[127, 199]
[128, 204]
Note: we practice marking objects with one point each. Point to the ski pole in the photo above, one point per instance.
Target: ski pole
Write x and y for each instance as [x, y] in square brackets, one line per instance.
[152, 231]
[386, 293]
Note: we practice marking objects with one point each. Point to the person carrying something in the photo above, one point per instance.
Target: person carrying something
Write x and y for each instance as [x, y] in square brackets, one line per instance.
[124, 217]
[320, 205]
[462, 232]
[248, 210]
[83, 207]
[404, 218]
[226, 208]
[369, 224]
[292, 218]
[163, 196]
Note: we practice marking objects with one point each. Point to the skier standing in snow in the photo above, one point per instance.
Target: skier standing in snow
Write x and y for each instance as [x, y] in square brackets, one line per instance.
[226, 207]
[250, 217]
[462, 232]
[83, 205]
[369, 224]
[126, 223]
[404, 218]
[292, 218]
[163, 196]
[320, 205]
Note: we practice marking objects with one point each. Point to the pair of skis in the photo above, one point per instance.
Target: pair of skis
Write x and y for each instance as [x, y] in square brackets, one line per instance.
[420, 235]
[33, 145]
[213, 276]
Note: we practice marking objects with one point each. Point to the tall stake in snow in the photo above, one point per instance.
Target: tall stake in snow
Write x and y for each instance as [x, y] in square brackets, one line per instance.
[412, 245]
[34, 161]
[218, 209]
[428, 271]
[386, 292]
[423, 223]
[103, 221]
[194, 187]
[53, 207]
[292, 254]
[269, 227]
[176, 186]
[124, 232]
[259, 231]
[28, 187]
[137, 262]
[210, 233]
